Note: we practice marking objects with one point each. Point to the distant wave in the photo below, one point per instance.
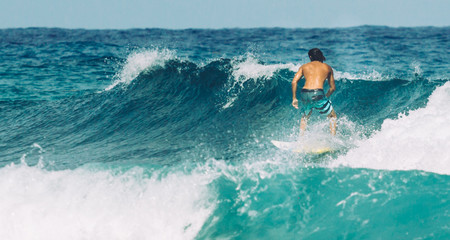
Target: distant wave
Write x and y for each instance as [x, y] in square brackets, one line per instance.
[242, 68]
[157, 95]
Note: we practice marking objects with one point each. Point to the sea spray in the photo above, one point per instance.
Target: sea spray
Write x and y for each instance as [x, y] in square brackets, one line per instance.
[102, 204]
[418, 140]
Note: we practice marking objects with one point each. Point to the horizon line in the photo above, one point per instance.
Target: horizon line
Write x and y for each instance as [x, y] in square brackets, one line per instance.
[221, 28]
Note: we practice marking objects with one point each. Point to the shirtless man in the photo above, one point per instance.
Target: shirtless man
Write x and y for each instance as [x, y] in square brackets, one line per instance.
[312, 94]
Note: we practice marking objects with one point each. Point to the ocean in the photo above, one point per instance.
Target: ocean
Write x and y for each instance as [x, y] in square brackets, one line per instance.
[166, 134]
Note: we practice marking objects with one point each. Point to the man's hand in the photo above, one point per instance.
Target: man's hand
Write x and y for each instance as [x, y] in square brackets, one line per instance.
[295, 103]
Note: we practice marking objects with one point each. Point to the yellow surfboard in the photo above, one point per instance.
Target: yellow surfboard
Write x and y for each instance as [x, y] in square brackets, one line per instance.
[302, 148]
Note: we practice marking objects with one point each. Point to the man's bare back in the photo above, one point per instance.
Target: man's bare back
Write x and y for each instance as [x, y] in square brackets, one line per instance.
[313, 97]
[315, 75]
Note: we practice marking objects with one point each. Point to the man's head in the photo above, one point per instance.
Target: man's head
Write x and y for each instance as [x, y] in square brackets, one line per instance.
[316, 55]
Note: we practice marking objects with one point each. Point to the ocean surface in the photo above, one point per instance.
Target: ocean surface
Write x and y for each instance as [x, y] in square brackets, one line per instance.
[166, 134]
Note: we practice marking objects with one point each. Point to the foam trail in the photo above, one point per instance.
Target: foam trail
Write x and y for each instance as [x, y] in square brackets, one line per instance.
[417, 141]
[85, 204]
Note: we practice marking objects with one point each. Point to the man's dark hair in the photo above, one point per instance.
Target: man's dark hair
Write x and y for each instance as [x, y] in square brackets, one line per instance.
[316, 55]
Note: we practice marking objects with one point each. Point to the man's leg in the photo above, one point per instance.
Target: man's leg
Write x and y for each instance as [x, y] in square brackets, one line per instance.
[304, 122]
[333, 122]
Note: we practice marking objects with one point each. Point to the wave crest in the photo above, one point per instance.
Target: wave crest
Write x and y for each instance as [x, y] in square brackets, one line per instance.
[139, 62]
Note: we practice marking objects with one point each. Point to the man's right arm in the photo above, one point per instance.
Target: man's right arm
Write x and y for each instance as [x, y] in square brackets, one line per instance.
[331, 83]
[297, 77]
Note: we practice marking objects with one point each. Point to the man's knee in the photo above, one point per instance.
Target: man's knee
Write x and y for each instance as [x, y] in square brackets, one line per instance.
[306, 116]
[332, 114]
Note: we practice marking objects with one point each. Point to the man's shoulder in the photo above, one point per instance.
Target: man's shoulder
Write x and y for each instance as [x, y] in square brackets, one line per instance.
[307, 65]
[315, 65]
[326, 65]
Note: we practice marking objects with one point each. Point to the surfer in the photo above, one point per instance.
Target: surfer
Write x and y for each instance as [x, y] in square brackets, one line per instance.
[312, 95]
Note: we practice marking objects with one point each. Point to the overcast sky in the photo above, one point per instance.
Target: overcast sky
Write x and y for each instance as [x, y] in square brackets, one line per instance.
[177, 14]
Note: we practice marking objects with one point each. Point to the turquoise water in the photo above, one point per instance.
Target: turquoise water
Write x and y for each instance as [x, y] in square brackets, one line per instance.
[165, 134]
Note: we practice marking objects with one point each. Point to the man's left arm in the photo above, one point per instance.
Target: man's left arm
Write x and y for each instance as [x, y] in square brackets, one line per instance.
[331, 83]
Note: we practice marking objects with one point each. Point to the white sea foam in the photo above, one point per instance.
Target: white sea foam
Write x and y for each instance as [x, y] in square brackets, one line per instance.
[87, 204]
[419, 140]
[252, 69]
[137, 62]
[417, 69]
[368, 76]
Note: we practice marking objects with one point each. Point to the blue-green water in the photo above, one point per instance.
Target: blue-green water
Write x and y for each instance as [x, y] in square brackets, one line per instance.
[164, 134]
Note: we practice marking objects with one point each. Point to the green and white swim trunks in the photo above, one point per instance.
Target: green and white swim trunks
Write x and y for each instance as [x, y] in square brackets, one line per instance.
[315, 98]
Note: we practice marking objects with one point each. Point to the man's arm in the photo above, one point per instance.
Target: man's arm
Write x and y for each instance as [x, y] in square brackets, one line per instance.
[297, 77]
[331, 83]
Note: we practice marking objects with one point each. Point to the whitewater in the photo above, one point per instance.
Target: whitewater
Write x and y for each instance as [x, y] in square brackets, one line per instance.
[166, 134]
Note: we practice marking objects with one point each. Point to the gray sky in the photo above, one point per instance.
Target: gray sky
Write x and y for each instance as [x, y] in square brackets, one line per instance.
[176, 14]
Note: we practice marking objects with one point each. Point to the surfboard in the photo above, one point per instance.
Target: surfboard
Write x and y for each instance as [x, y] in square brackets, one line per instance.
[302, 148]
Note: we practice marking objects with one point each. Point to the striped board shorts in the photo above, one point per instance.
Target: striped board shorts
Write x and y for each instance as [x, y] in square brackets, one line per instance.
[315, 98]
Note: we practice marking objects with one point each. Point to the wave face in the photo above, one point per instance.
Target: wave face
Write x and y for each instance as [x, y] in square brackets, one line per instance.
[163, 134]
